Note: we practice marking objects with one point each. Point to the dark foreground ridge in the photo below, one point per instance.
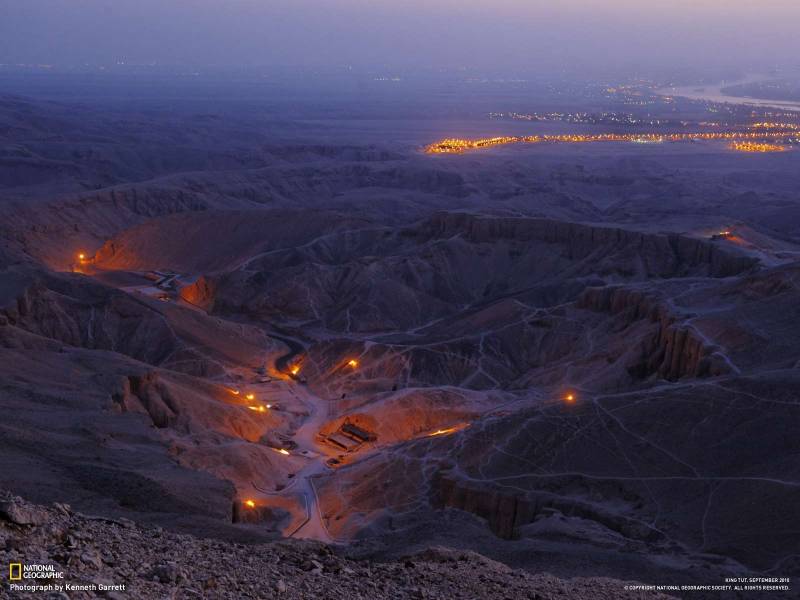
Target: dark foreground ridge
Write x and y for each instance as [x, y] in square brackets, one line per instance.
[153, 563]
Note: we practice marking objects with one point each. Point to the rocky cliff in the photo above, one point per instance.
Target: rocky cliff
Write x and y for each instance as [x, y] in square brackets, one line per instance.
[674, 349]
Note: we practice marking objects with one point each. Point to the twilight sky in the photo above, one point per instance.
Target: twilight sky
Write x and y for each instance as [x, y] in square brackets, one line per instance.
[403, 33]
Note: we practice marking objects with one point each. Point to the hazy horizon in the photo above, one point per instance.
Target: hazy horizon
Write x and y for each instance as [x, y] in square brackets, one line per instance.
[509, 34]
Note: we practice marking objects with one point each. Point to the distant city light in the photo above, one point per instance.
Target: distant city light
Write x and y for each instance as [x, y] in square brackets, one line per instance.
[744, 141]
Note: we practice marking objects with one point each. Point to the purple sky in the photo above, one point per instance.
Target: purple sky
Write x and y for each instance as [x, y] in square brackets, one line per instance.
[479, 33]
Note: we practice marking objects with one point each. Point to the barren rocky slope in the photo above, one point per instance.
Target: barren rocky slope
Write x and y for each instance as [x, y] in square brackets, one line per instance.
[95, 551]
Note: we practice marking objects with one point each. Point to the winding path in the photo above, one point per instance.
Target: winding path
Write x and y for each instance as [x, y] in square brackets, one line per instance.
[305, 440]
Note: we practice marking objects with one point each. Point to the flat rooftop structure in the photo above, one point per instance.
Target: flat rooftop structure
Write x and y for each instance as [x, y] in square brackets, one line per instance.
[357, 432]
[343, 442]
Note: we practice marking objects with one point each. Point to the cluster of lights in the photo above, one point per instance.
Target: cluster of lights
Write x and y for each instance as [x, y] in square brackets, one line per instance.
[459, 146]
[756, 148]
[648, 139]
[770, 125]
[583, 118]
[251, 398]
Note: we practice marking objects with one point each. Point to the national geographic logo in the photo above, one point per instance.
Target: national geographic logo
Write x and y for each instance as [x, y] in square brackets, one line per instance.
[43, 579]
[34, 579]
[19, 571]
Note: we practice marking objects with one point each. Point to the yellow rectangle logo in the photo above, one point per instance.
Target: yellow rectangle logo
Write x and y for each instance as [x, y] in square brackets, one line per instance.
[15, 571]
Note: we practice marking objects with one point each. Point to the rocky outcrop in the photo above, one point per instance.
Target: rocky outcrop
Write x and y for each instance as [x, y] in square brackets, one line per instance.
[77, 311]
[15, 510]
[201, 293]
[505, 512]
[53, 234]
[85, 314]
[146, 393]
[660, 255]
[86, 220]
[673, 350]
[395, 280]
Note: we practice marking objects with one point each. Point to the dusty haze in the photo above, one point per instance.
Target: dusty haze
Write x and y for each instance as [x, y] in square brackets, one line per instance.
[473, 33]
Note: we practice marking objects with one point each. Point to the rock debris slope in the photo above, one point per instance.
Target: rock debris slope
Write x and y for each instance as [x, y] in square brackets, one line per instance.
[99, 551]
